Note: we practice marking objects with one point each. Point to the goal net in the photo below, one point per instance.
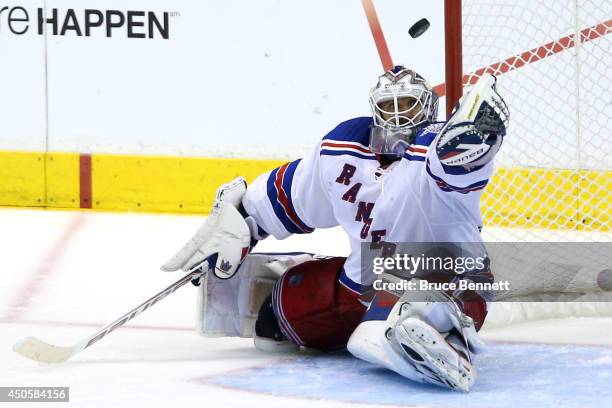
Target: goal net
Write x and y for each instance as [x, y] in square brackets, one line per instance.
[553, 178]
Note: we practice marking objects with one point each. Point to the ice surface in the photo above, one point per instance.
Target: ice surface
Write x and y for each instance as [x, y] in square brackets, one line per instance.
[65, 274]
[508, 376]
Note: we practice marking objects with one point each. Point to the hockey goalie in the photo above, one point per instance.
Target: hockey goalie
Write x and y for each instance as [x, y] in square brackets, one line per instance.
[395, 176]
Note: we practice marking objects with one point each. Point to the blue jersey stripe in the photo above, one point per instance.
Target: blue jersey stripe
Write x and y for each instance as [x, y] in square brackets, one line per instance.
[351, 284]
[287, 181]
[280, 212]
[352, 130]
[411, 157]
[459, 170]
[444, 186]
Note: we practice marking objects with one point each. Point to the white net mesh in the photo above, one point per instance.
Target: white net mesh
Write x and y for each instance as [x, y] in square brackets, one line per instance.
[555, 168]
[553, 180]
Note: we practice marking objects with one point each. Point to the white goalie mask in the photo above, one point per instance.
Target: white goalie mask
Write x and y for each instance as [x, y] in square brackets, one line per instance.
[402, 102]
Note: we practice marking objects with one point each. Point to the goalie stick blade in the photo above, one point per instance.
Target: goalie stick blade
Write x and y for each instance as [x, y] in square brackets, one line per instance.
[42, 352]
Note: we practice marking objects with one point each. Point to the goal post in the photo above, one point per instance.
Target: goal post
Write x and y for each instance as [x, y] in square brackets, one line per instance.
[453, 73]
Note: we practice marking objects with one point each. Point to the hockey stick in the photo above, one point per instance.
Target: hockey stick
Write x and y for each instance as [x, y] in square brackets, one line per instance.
[38, 350]
[415, 31]
[377, 34]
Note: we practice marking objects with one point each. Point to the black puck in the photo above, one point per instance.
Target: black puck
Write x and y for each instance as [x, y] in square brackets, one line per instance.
[419, 28]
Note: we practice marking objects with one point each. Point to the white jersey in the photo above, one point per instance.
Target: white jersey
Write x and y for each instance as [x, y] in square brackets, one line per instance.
[423, 200]
[341, 183]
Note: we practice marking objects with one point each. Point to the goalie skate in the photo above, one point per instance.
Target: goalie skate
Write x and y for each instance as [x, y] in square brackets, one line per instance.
[432, 356]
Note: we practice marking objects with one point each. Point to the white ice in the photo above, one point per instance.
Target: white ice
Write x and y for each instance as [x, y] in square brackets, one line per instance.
[64, 274]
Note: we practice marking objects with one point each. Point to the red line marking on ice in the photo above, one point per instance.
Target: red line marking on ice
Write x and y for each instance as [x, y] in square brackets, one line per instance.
[535, 54]
[379, 37]
[96, 325]
[43, 271]
[85, 193]
[210, 382]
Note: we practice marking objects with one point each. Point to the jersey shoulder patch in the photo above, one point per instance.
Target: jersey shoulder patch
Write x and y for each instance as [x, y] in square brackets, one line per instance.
[425, 136]
[355, 130]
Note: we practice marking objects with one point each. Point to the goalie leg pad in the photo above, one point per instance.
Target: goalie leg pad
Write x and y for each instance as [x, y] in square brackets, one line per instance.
[229, 307]
[414, 349]
[436, 312]
[313, 309]
[431, 355]
[426, 337]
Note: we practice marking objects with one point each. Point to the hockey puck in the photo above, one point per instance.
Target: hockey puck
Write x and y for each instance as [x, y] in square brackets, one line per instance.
[604, 279]
[419, 28]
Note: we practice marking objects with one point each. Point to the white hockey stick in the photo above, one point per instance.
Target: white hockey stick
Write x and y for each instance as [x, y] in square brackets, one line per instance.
[38, 350]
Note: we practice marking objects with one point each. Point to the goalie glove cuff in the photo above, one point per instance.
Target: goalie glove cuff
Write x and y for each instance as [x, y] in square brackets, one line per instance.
[464, 145]
[474, 133]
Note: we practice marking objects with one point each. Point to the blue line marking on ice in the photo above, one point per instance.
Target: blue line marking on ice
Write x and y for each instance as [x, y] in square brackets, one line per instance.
[509, 375]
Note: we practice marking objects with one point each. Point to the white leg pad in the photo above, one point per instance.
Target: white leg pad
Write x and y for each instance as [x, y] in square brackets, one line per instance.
[413, 342]
[368, 343]
[431, 355]
[229, 307]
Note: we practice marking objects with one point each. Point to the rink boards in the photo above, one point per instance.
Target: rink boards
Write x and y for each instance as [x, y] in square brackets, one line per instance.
[516, 197]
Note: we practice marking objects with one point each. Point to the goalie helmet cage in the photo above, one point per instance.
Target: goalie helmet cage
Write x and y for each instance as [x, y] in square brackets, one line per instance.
[553, 178]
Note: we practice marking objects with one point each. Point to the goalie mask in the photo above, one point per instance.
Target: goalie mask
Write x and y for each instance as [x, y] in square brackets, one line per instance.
[402, 102]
